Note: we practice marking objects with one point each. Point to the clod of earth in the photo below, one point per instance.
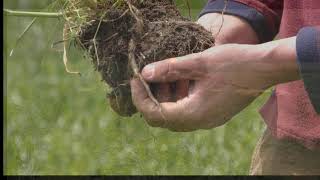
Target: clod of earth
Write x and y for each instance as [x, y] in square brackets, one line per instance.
[155, 28]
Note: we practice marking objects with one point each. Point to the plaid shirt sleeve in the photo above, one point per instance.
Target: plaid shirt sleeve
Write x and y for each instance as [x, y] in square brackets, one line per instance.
[308, 52]
[263, 15]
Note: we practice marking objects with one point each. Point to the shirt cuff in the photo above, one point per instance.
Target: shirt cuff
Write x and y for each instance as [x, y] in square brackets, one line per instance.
[308, 52]
[257, 21]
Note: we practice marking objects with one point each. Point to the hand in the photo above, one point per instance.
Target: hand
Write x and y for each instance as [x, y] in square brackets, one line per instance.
[232, 31]
[225, 79]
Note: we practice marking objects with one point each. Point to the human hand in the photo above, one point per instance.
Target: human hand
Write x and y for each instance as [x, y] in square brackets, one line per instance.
[224, 80]
[233, 30]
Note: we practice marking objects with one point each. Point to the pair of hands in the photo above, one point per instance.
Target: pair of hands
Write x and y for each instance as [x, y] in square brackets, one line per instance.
[214, 85]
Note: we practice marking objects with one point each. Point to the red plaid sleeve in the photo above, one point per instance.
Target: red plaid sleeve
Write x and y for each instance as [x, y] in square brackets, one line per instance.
[271, 9]
[263, 15]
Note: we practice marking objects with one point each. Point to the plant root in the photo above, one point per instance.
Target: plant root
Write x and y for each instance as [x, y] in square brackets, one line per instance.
[128, 35]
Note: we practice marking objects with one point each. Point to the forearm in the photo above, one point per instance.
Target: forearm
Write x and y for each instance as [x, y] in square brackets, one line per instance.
[292, 59]
[275, 62]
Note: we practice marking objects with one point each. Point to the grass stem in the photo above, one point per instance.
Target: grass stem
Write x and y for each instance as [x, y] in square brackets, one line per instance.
[9, 12]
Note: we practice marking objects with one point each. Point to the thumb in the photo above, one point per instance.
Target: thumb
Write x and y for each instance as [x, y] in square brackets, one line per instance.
[188, 67]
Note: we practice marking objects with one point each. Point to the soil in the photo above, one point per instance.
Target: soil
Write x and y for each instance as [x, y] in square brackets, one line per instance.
[158, 31]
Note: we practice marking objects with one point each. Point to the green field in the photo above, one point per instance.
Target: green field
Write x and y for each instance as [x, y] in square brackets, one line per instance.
[57, 123]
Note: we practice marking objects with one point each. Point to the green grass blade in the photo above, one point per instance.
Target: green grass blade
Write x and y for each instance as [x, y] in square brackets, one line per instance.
[22, 35]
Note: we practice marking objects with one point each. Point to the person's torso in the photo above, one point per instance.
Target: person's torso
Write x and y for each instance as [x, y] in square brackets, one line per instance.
[289, 112]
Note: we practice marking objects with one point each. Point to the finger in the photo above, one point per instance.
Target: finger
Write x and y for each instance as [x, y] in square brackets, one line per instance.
[182, 89]
[188, 67]
[162, 92]
[177, 116]
[145, 105]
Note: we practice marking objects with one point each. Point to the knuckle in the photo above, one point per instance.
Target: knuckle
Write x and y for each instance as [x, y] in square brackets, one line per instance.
[171, 68]
[166, 70]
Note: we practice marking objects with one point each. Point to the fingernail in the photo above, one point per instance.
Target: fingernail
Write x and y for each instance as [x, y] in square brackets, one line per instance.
[148, 71]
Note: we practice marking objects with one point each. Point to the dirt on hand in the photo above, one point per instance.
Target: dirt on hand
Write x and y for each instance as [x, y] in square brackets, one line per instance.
[158, 32]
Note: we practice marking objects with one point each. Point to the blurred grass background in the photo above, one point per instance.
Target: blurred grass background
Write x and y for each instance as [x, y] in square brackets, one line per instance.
[57, 123]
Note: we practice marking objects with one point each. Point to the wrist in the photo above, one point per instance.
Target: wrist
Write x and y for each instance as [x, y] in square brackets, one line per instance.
[276, 62]
[232, 29]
